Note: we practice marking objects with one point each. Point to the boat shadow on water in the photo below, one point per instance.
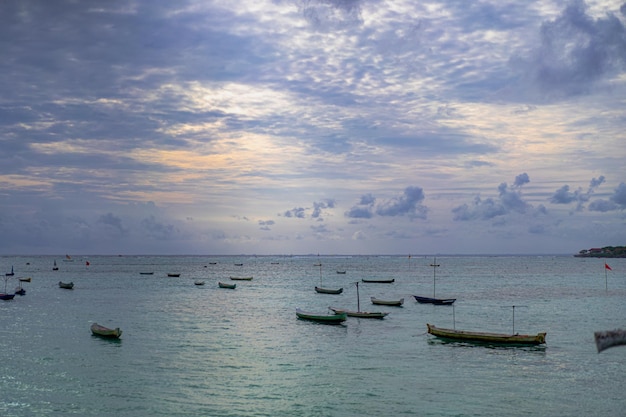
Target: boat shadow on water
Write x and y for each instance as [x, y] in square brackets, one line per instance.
[485, 345]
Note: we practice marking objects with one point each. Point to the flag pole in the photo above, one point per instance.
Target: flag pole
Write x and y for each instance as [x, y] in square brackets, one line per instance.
[606, 280]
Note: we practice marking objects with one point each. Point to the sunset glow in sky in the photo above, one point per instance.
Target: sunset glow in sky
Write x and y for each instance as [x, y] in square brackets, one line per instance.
[312, 126]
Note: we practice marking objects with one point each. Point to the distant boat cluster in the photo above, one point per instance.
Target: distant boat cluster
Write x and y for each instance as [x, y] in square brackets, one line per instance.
[337, 315]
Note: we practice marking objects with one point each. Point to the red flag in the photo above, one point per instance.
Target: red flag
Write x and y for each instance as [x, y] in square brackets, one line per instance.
[607, 267]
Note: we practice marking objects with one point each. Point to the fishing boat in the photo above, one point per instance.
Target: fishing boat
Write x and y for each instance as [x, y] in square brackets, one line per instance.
[25, 279]
[328, 290]
[241, 278]
[336, 318]
[54, 266]
[198, 282]
[358, 312]
[10, 274]
[396, 303]
[490, 338]
[321, 289]
[173, 275]
[66, 285]
[101, 331]
[433, 299]
[227, 285]
[379, 281]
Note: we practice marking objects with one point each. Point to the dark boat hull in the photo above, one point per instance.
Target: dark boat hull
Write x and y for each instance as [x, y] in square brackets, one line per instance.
[435, 301]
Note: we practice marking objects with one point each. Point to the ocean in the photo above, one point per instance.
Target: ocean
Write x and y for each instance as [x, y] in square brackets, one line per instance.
[189, 350]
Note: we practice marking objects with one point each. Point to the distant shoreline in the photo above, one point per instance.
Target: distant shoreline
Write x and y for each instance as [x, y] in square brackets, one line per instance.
[605, 252]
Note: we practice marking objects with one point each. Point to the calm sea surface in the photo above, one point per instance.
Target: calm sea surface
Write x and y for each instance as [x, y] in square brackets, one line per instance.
[190, 350]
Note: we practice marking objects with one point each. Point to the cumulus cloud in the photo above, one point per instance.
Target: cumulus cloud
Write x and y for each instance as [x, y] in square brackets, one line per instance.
[363, 209]
[316, 212]
[409, 203]
[297, 212]
[510, 199]
[318, 206]
[616, 202]
[564, 196]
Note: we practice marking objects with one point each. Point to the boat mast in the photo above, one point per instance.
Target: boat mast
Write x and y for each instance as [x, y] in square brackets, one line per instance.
[358, 299]
[434, 265]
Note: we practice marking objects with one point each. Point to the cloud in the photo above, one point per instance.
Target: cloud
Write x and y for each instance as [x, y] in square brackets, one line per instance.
[510, 199]
[296, 212]
[150, 226]
[408, 204]
[364, 209]
[321, 205]
[316, 212]
[112, 222]
[331, 14]
[616, 202]
[266, 224]
[564, 196]
[575, 52]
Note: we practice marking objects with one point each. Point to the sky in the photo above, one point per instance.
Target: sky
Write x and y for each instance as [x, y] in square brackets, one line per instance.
[312, 126]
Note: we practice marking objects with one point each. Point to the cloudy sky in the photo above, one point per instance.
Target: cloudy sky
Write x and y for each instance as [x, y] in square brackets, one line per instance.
[312, 126]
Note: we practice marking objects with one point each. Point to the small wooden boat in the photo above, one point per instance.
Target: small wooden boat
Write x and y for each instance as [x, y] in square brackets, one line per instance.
[198, 282]
[336, 318]
[55, 267]
[10, 274]
[6, 297]
[173, 275]
[25, 279]
[341, 271]
[238, 264]
[226, 285]
[379, 281]
[323, 290]
[66, 285]
[241, 278]
[435, 301]
[490, 338]
[328, 290]
[146, 273]
[212, 263]
[20, 291]
[102, 331]
[395, 303]
[358, 312]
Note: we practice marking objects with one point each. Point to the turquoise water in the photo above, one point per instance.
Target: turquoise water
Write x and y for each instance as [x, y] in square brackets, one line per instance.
[191, 350]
